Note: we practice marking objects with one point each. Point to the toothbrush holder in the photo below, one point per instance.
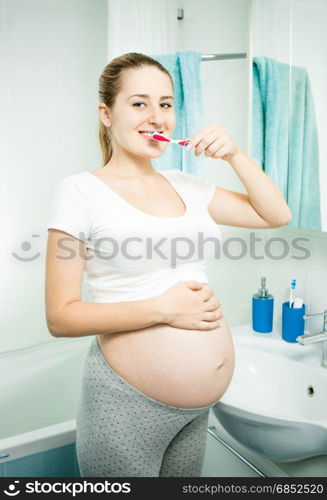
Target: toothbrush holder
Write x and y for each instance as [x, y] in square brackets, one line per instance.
[292, 322]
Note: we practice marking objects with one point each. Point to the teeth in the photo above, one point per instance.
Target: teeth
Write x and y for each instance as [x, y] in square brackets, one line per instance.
[148, 133]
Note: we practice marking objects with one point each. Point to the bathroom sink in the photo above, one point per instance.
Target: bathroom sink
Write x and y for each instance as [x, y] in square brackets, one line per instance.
[276, 403]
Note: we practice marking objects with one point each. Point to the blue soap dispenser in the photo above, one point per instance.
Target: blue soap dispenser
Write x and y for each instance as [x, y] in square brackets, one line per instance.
[262, 309]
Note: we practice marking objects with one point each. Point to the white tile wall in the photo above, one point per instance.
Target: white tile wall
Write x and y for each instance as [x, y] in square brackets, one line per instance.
[51, 55]
[293, 32]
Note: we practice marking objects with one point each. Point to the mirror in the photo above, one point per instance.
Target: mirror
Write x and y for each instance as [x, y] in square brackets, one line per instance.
[289, 99]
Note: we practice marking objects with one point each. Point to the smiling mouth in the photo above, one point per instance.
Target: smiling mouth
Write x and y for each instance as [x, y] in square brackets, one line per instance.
[148, 135]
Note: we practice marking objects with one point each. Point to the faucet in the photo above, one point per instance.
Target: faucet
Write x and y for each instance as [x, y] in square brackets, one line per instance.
[317, 337]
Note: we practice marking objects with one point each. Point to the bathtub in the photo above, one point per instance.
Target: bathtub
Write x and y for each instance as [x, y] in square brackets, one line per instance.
[39, 394]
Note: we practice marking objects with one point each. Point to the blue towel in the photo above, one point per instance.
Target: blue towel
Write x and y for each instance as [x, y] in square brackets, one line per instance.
[184, 68]
[284, 137]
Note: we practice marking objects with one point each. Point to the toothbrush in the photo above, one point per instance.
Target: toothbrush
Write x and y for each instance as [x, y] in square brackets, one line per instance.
[298, 303]
[292, 287]
[160, 137]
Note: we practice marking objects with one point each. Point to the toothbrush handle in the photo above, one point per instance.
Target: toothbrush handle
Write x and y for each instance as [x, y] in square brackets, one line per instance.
[183, 142]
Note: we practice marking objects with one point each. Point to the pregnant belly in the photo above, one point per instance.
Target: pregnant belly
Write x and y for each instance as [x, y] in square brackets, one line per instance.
[178, 367]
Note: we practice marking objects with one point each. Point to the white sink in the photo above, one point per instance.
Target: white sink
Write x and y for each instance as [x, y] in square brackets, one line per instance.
[276, 403]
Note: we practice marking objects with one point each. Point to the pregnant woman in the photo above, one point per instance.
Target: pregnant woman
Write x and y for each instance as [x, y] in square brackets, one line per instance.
[162, 354]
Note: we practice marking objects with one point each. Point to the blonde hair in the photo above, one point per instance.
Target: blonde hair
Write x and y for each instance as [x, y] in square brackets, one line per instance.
[110, 84]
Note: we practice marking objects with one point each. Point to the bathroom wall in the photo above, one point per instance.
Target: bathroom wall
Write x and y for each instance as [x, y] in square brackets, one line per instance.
[292, 31]
[51, 55]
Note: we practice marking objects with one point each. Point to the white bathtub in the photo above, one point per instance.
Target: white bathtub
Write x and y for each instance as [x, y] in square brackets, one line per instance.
[39, 394]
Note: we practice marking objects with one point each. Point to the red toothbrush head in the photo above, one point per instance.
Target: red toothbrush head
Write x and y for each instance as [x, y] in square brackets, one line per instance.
[159, 137]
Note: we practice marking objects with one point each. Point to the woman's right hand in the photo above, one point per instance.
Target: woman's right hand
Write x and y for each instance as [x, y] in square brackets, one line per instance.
[190, 305]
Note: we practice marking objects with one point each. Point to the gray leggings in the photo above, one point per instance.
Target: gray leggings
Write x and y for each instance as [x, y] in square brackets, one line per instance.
[121, 432]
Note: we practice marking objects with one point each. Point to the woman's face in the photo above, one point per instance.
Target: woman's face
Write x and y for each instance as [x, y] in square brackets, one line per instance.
[132, 113]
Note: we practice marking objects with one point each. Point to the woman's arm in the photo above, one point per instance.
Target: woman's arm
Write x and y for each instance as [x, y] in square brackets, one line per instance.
[67, 315]
[264, 195]
[81, 319]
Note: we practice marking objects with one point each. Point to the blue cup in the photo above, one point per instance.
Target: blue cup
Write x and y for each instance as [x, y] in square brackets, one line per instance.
[292, 322]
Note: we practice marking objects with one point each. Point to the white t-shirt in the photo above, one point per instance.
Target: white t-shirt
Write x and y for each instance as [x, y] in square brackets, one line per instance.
[132, 255]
